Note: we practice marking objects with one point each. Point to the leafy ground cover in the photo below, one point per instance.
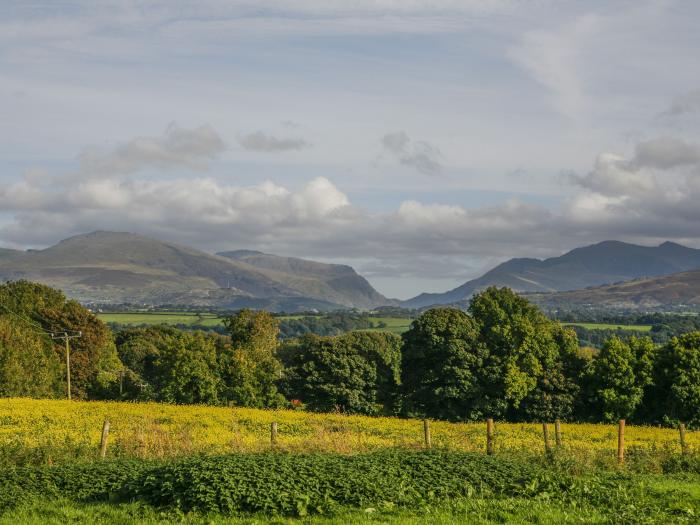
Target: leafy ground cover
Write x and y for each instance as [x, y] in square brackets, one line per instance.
[387, 487]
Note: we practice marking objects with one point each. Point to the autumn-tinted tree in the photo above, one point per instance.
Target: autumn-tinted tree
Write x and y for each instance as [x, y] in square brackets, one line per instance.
[249, 367]
[357, 372]
[94, 362]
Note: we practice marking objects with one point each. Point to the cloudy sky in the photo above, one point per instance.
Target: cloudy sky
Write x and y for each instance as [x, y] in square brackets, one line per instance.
[421, 141]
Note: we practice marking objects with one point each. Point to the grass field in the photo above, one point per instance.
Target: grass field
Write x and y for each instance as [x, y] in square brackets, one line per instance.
[50, 471]
[605, 326]
[169, 318]
[398, 325]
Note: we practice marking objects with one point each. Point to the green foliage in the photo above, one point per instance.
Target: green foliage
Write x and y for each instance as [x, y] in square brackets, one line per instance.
[618, 377]
[248, 366]
[297, 484]
[441, 361]
[170, 365]
[676, 393]
[505, 360]
[335, 323]
[268, 486]
[528, 358]
[357, 372]
[29, 366]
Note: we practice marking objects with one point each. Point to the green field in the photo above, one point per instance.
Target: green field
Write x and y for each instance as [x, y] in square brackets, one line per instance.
[605, 326]
[153, 318]
[398, 325]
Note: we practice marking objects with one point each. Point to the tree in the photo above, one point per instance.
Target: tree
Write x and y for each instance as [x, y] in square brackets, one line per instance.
[442, 365]
[529, 366]
[618, 377]
[357, 372]
[29, 367]
[676, 394]
[94, 362]
[170, 365]
[249, 367]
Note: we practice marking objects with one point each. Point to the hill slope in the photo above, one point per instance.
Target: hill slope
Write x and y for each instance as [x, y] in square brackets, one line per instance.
[598, 264]
[677, 290]
[6, 253]
[120, 267]
[335, 282]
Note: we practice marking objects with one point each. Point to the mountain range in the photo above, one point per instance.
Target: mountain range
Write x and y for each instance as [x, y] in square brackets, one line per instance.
[679, 290]
[607, 262]
[116, 267]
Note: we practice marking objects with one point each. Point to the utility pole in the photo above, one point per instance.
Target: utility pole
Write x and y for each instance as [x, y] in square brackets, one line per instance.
[67, 336]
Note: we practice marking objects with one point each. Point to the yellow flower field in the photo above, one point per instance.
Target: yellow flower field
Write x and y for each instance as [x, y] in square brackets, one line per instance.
[58, 431]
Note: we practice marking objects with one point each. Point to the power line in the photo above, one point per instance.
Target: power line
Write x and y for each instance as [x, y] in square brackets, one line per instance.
[67, 336]
[34, 324]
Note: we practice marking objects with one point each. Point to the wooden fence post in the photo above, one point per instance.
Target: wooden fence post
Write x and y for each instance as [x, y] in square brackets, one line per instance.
[489, 437]
[684, 445]
[426, 434]
[621, 442]
[557, 433]
[545, 433]
[103, 441]
[273, 433]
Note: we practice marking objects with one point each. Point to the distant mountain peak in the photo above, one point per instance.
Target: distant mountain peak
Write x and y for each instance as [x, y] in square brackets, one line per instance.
[598, 264]
[120, 267]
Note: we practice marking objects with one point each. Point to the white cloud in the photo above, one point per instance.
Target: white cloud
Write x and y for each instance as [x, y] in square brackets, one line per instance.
[552, 58]
[651, 195]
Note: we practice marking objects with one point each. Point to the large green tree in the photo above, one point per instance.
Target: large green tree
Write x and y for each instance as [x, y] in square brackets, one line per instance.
[532, 362]
[249, 367]
[170, 365]
[676, 393]
[442, 363]
[504, 359]
[618, 377]
[357, 372]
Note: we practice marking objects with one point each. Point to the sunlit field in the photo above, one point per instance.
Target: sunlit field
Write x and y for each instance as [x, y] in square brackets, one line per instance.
[50, 432]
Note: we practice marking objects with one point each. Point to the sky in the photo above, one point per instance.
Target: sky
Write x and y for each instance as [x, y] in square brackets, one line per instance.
[421, 142]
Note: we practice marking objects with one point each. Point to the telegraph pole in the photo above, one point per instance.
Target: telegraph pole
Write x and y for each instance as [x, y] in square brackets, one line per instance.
[67, 336]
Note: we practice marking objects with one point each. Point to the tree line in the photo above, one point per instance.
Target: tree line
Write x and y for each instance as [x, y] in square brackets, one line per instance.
[501, 358]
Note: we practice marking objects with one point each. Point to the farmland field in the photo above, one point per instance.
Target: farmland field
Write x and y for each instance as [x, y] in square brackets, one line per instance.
[66, 430]
[398, 325]
[606, 326]
[196, 464]
[153, 318]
